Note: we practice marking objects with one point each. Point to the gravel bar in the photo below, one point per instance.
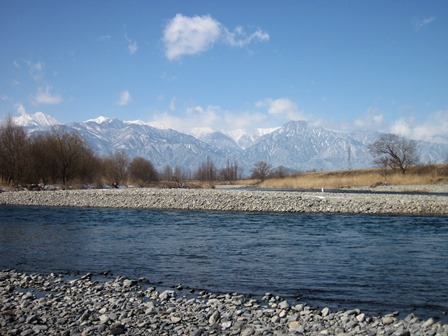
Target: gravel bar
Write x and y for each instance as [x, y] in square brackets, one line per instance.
[36, 304]
[233, 200]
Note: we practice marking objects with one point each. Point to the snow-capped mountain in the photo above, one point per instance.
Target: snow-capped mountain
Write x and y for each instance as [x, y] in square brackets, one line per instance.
[33, 120]
[245, 140]
[219, 140]
[295, 146]
[299, 146]
[161, 147]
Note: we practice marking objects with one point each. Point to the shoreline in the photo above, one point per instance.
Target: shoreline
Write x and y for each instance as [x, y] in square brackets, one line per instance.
[233, 200]
[32, 303]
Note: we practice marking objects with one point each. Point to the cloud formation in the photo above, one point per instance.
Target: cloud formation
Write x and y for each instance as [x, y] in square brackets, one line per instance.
[282, 107]
[373, 120]
[45, 97]
[105, 38]
[36, 70]
[424, 21]
[132, 45]
[125, 98]
[239, 38]
[434, 128]
[211, 116]
[185, 35]
[20, 109]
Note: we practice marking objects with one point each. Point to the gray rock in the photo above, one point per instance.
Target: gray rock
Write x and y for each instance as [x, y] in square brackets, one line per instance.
[388, 320]
[283, 305]
[81, 307]
[166, 295]
[429, 322]
[325, 311]
[248, 331]
[117, 329]
[214, 318]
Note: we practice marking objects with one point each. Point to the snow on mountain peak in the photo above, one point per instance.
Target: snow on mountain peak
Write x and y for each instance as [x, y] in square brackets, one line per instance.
[99, 120]
[137, 122]
[264, 131]
[199, 132]
[37, 119]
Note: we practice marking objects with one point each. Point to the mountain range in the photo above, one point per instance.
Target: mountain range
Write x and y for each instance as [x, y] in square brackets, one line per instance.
[296, 145]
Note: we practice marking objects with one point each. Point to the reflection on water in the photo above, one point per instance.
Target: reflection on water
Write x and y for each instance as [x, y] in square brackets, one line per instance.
[377, 263]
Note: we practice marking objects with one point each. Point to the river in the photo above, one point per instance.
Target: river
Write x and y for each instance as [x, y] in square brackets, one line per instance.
[378, 263]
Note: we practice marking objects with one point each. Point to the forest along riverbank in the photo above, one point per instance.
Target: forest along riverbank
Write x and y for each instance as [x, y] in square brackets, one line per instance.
[53, 305]
[232, 200]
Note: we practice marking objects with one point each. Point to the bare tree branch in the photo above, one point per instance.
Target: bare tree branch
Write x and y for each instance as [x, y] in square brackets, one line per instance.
[393, 151]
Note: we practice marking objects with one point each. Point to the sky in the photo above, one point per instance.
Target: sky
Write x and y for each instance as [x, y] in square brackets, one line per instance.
[339, 64]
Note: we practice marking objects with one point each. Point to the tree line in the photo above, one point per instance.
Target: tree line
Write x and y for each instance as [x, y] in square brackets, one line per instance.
[63, 157]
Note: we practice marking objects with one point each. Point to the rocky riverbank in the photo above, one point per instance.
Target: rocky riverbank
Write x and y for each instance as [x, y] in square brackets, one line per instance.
[52, 304]
[233, 200]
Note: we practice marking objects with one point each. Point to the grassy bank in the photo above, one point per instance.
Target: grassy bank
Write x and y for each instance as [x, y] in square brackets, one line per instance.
[422, 175]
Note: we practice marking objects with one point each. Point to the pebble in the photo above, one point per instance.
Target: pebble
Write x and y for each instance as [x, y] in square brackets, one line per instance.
[231, 200]
[115, 308]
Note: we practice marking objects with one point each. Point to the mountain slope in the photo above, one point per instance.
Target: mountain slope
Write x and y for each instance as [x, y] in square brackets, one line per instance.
[162, 147]
[35, 120]
[296, 145]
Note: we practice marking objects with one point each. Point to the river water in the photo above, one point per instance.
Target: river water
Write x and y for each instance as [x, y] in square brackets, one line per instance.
[377, 263]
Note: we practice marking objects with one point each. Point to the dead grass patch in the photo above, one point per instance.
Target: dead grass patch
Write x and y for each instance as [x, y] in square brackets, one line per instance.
[435, 174]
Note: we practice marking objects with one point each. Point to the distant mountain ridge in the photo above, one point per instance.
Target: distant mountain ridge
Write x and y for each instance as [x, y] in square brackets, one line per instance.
[37, 119]
[296, 145]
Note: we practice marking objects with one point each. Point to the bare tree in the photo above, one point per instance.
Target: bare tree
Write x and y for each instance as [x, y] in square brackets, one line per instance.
[14, 146]
[115, 167]
[261, 170]
[279, 172]
[230, 171]
[207, 171]
[43, 165]
[393, 151]
[167, 173]
[142, 170]
[70, 152]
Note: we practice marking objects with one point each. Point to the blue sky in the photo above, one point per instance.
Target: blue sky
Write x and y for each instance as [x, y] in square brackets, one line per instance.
[378, 65]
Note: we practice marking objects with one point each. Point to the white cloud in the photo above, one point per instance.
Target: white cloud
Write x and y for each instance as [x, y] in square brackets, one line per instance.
[21, 109]
[105, 38]
[45, 97]
[213, 117]
[172, 106]
[424, 21]
[282, 107]
[373, 120]
[132, 45]
[434, 128]
[36, 69]
[185, 35]
[4, 98]
[239, 38]
[125, 98]
[190, 35]
[245, 120]
[209, 116]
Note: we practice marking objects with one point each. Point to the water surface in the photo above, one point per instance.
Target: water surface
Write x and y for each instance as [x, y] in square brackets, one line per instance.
[377, 263]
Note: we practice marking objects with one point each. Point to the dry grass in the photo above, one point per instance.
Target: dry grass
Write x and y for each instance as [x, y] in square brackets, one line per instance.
[421, 175]
[435, 174]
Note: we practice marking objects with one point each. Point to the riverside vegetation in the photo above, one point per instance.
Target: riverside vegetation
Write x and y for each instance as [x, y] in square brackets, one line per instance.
[374, 177]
